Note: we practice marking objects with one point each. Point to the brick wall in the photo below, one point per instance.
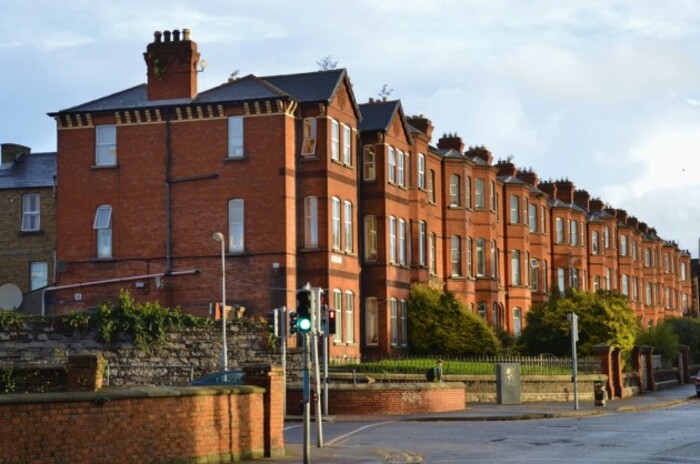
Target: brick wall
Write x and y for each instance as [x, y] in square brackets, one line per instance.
[387, 398]
[174, 425]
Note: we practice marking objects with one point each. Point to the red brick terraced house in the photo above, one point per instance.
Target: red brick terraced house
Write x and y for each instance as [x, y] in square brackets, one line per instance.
[308, 186]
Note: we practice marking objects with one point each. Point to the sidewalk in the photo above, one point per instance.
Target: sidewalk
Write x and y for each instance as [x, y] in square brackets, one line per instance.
[499, 412]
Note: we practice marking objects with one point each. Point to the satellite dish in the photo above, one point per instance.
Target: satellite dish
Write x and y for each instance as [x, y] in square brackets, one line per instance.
[10, 297]
[203, 64]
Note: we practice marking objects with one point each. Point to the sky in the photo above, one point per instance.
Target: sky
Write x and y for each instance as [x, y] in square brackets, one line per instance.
[603, 93]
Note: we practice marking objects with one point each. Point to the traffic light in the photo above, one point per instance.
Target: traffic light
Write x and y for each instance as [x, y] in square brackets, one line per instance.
[304, 310]
[273, 322]
[330, 323]
[293, 322]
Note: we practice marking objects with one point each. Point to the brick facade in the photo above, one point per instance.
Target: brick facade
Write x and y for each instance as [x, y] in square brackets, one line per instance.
[319, 181]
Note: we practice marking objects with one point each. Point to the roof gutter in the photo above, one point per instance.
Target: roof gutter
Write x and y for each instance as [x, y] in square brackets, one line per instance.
[93, 283]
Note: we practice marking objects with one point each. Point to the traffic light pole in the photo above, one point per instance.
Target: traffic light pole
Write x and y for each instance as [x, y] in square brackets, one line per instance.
[305, 401]
[573, 318]
[315, 323]
[282, 314]
[324, 339]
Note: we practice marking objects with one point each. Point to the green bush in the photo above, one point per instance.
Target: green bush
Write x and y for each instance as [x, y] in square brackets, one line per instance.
[440, 324]
[688, 331]
[663, 339]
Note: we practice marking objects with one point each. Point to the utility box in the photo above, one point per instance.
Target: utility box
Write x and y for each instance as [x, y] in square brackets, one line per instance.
[508, 383]
[600, 393]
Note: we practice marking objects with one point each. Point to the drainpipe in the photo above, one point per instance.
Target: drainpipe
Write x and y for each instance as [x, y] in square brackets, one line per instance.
[168, 206]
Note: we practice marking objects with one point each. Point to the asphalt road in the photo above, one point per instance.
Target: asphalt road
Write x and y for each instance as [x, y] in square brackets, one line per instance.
[663, 436]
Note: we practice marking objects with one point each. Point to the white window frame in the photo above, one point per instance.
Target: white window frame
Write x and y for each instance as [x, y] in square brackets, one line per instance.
[532, 217]
[595, 242]
[338, 306]
[454, 190]
[369, 160]
[394, 308]
[432, 248]
[392, 239]
[456, 255]
[347, 145]
[517, 321]
[573, 232]
[308, 146]
[402, 242]
[348, 222]
[236, 225]
[492, 195]
[515, 268]
[235, 137]
[559, 222]
[431, 186]
[514, 209]
[335, 223]
[479, 193]
[467, 192]
[335, 140]
[103, 226]
[391, 164]
[470, 258]
[422, 238]
[534, 275]
[371, 321]
[31, 212]
[480, 257]
[625, 285]
[349, 317]
[38, 275]
[370, 237]
[623, 245]
[311, 221]
[403, 306]
[421, 171]
[400, 162]
[106, 145]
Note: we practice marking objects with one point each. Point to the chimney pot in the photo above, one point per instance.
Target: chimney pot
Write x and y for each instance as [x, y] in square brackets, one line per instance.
[166, 34]
[185, 34]
[176, 35]
[157, 36]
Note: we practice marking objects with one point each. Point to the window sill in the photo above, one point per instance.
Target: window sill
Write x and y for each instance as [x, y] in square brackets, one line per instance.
[309, 157]
[104, 166]
[310, 249]
[110, 259]
[234, 158]
[236, 253]
[26, 233]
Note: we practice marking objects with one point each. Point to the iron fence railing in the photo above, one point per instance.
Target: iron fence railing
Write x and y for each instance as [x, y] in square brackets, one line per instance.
[544, 364]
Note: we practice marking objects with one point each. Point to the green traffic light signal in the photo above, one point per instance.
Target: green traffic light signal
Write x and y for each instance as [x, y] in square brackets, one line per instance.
[304, 324]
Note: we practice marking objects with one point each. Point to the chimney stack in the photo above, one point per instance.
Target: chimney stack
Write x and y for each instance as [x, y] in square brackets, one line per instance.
[596, 205]
[506, 168]
[422, 123]
[481, 152]
[529, 177]
[565, 191]
[550, 188]
[172, 65]
[451, 141]
[582, 199]
[12, 151]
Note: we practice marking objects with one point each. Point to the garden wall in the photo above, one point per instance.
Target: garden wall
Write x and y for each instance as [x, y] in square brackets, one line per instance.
[148, 424]
[386, 398]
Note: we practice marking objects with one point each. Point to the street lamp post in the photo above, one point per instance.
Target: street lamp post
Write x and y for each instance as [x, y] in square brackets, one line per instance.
[219, 237]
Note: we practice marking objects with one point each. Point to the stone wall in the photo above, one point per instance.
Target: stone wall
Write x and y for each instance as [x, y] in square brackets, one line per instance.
[187, 353]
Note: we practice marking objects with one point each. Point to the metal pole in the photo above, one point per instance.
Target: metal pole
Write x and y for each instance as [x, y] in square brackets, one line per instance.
[326, 335]
[574, 361]
[218, 236]
[283, 336]
[305, 402]
[315, 323]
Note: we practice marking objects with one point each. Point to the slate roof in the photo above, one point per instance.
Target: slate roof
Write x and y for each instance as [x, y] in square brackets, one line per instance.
[378, 116]
[553, 202]
[29, 171]
[319, 86]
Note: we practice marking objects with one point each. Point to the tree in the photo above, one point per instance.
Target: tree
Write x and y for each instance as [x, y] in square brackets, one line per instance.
[604, 318]
[440, 324]
[327, 63]
[688, 331]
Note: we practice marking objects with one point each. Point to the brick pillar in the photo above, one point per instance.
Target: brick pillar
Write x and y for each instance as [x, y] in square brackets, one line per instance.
[604, 354]
[616, 368]
[271, 378]
[85, 372]
[683, 364]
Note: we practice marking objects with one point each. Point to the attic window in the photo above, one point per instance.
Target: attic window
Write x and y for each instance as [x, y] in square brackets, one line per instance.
[309, 144]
